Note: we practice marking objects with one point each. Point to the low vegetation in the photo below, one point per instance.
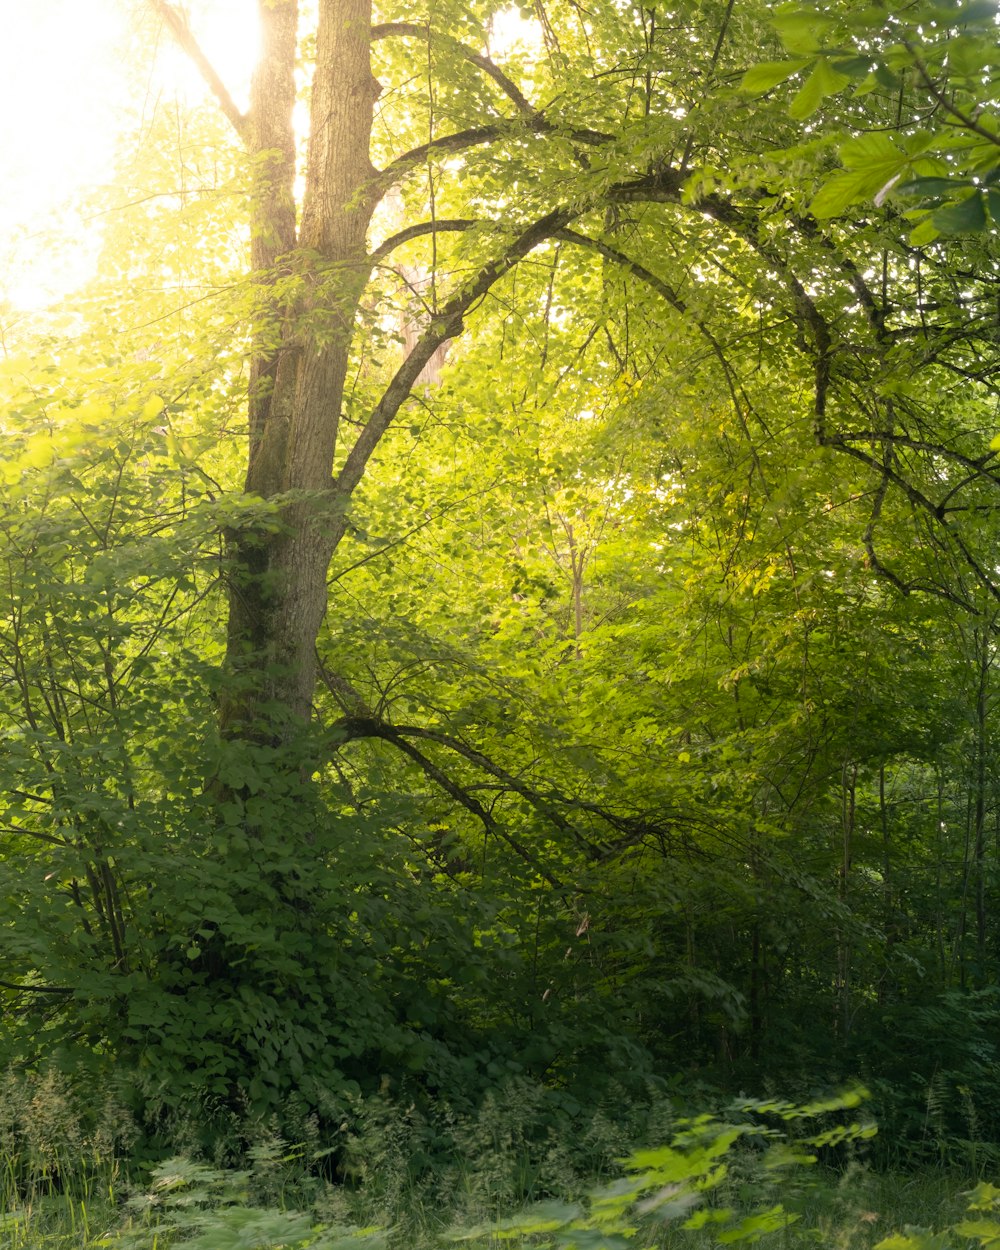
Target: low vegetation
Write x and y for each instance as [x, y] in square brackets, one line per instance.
[499, 638]
[765, 1171]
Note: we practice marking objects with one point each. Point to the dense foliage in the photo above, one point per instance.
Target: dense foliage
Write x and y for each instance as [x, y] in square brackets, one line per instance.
[645, 737]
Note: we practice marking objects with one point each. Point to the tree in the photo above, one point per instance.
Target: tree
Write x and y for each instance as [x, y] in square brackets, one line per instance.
[569, 676]
[313, 277]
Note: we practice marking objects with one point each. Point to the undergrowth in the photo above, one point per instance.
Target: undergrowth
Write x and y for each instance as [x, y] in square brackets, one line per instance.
[390, 1178]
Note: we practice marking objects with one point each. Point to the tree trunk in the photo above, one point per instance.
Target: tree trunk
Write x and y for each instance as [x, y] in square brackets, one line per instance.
[984, 658]
[849, 781]
[278, 592]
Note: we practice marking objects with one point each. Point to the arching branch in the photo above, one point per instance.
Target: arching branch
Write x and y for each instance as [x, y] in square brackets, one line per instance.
[361, 724]
[448, 324]
[444, 224]
[476, 136]
[460, 141]
[472, 804]
[665, 290]
[665, 186]
[369, 726]
[413, 30]
[543, 805]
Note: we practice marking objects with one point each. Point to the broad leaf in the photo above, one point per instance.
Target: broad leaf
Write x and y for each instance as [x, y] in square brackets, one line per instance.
[964, 217]
[823, 81]
[770, 73]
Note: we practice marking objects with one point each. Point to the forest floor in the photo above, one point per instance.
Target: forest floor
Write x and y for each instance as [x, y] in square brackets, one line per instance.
[203, 1208]
[77, 1174]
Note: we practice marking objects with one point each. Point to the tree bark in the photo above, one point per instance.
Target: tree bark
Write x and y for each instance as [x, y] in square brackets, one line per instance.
[300, 355]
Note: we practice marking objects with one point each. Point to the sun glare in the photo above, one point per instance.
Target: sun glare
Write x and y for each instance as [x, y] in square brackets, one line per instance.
[74, 83]
[228, 33]
[511, 32]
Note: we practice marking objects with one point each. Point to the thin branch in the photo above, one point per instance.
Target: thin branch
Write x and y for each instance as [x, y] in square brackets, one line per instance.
[385, 30]
[347, 698]
[361, 723]
[417, 230]
[181, 31]
[37, 989]
[619, 258]
[447, 325]
[460, 141]
[668, 293]
[472, 804]
[542, 805]
[723, 30]
[35, 798]
[37, 834]
[978, 467]
[373, 728]
[919, 500]
[476, 136]
[966, 120]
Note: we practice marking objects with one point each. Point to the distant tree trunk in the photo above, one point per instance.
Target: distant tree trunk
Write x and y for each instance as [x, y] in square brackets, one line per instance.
[982, 746]
[974, 854]
[978, 867]
[940, 912]
[849, 781]
[757, 975]
[888, 893]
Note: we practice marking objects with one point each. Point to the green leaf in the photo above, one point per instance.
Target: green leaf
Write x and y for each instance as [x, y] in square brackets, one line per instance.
[965, 217]
[770, 73]
[984, 1230]
[866, 86]
[823, 81]
[868, 151]
[968, 56]
[799, 29]
[543, 1217]
[838, 194]
[925, 232]
[914, 1239]
[929, 188]
[594, 1239]
[976, 13]
[985, 1194]
[853, 66]
[885, 77]
[871, 163]
[753, 1227]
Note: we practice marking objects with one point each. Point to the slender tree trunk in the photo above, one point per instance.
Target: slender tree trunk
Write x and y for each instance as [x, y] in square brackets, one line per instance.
[979, 814]
[888, 892]
[849, 780]
[940, 913]
[757, 974]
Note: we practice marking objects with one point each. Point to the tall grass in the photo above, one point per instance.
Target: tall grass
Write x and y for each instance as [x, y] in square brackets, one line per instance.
[70, 1180]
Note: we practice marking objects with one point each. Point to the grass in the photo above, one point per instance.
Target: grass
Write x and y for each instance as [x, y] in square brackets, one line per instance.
[69, 1181]
[210, 1209]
